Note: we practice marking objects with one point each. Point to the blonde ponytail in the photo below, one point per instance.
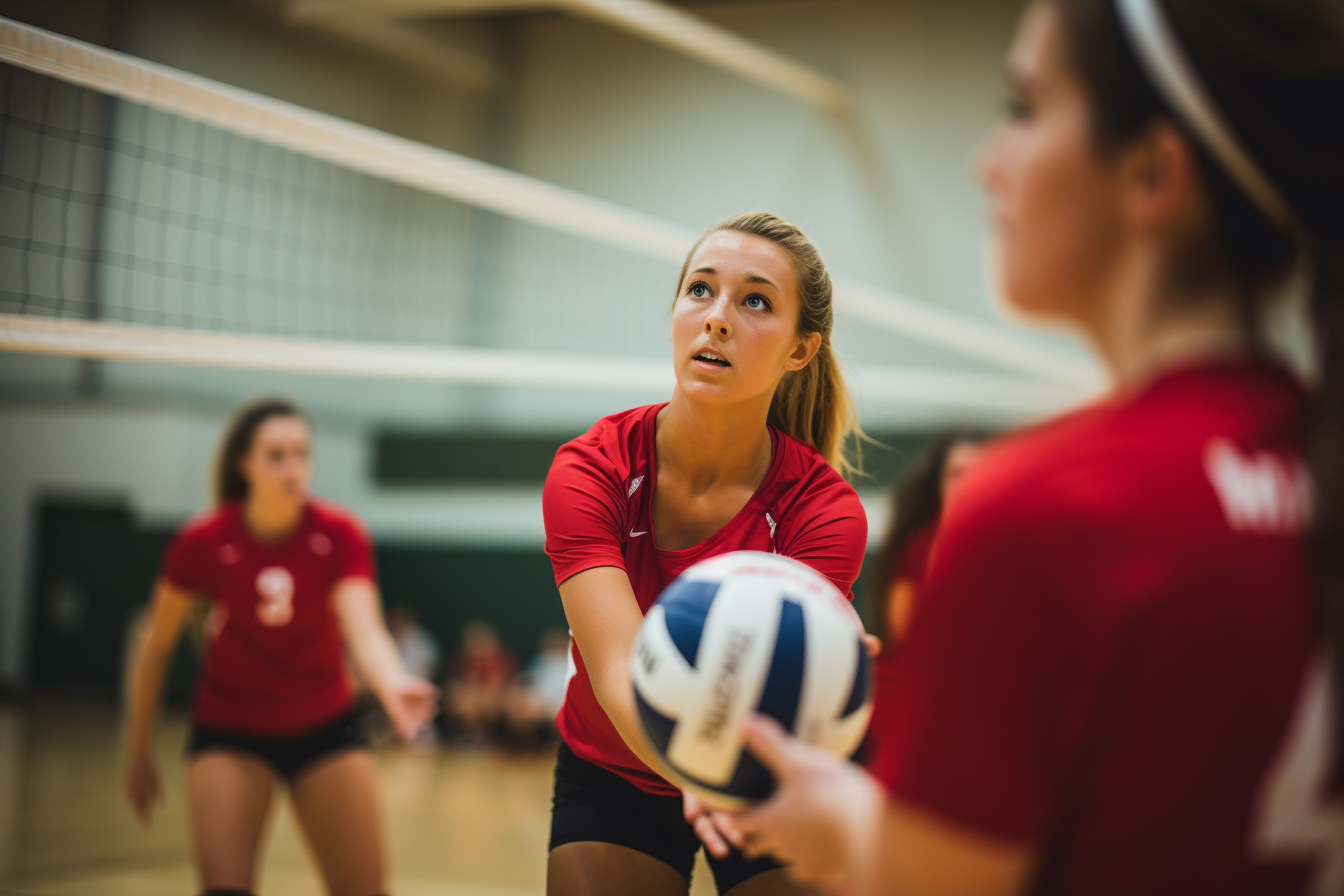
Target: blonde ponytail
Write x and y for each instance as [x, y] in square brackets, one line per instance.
[813, 404]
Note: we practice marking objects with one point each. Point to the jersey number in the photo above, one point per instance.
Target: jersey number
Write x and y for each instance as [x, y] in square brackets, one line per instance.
[275, 586]
[1296, 818]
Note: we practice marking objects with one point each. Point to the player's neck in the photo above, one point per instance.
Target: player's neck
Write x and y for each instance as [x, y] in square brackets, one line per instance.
[271, 520]
[1141, 330]
[706, 446]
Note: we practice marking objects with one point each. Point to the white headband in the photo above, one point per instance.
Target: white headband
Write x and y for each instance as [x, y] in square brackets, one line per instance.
[1175, 78]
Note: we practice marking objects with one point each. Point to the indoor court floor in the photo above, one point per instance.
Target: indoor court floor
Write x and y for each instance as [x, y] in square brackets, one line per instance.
[459, 824]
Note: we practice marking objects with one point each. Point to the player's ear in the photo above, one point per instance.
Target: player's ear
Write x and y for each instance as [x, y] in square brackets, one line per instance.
[803, 353]
[1160, 177]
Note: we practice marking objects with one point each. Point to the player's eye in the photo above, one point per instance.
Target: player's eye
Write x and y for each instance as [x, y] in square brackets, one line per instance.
[757, 302]
[699, 289]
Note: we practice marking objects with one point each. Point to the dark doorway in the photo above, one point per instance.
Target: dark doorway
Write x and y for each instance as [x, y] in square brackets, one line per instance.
[94, 573]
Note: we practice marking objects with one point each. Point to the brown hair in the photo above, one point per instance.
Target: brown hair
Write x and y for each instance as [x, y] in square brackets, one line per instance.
[812, 404]
[230, 483]
[1275, 68]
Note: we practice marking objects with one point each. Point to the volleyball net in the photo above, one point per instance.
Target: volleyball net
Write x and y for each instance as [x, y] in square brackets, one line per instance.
[149, 214]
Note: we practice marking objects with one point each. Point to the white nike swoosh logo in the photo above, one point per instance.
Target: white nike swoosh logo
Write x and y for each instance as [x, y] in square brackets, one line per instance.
[634, 534]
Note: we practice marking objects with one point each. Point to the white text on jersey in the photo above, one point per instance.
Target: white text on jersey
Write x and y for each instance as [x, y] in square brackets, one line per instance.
[1261, 493]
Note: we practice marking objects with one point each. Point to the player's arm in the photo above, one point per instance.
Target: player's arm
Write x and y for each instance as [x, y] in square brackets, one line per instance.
[169, 610]
[409, 701]
[604, 616]
[834, 826]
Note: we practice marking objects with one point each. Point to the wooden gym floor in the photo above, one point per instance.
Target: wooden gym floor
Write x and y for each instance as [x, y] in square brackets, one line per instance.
[459, 824]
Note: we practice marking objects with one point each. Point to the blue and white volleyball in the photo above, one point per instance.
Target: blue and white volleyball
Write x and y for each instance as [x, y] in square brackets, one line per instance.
[740, 633]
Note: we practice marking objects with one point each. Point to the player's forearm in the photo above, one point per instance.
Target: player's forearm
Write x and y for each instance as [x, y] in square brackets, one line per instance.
[605, 618]
[376, 656]
[360, 615]
[616, 694]
[145, 697]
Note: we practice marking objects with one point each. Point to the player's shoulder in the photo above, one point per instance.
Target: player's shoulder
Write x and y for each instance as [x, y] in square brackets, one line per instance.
[1138, 454]
[805, 478]
[210, 526]
[330, 517]
[615, 444]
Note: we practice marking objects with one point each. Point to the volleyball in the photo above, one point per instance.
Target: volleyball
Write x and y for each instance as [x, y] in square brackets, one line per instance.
[739, 633]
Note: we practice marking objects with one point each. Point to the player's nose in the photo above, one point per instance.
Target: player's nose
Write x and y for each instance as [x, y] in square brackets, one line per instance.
[716, 321]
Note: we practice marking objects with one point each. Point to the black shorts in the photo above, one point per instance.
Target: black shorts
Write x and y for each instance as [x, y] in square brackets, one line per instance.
[289, 755]
[593, 804]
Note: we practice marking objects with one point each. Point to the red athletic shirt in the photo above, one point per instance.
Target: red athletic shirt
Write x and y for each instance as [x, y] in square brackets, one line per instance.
[597, 503]
[275, 664]
[1113, 637]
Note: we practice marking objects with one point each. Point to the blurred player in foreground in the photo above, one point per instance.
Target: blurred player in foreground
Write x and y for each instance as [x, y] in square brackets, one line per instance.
[290, 581]
[1124, 678]
[745, 456]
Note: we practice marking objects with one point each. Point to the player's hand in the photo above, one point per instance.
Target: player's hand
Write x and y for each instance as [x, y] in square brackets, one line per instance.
[706, 822]
[143, 787]
[822, 820]
[410, 703]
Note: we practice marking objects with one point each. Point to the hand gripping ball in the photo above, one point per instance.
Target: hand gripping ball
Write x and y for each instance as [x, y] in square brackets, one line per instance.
[740, 633]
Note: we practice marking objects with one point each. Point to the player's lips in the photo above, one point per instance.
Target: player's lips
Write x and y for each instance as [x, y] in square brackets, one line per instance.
[710, 360]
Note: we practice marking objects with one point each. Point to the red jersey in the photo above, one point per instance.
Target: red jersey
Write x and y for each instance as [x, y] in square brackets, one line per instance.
[909, 567]
[275, 664]
[1113, 640]
[598, 506]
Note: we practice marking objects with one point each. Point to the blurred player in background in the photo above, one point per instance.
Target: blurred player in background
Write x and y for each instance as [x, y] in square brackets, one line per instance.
[745, 456]
[897, 581]
[917, 502]
[290, 581]
[1125, 678]
[478, 683]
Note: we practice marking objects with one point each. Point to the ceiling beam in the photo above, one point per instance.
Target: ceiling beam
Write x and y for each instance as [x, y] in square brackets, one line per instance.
[406, 45]
[662, 24]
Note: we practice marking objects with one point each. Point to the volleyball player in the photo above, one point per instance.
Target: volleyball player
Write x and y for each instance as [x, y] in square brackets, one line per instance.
[745, 456]
[290, 583]
[1125, 677]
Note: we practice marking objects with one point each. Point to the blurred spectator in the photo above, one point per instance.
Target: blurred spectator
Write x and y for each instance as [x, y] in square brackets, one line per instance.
[418, 648]
[535, 699]
[478, 684]
[893, 596]
[419, 651]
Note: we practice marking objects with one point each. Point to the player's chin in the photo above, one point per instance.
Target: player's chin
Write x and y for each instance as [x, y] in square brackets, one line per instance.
[1020, 301]
[713, 388]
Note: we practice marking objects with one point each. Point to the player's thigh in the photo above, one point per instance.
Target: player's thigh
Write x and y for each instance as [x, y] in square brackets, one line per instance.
[229, 797]
[336, 803]
[771, 883]
[592, 868]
